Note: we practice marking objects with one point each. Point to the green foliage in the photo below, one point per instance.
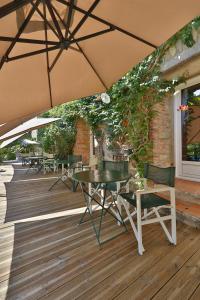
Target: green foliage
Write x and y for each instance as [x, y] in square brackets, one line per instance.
[8, 153]
[185, 34]
[58, 138]
[136, 95]
[129, 115]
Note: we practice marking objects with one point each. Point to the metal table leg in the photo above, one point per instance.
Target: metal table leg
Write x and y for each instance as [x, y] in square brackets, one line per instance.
[89, 198]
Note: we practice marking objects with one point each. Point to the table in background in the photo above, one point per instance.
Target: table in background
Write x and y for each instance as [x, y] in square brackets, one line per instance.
[34, 162]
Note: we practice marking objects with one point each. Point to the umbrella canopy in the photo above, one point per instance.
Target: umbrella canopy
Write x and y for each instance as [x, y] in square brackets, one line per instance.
[14, 123]
[27, 142]
[27, 126]
[24, 142]
[56, 51]
[10, 141]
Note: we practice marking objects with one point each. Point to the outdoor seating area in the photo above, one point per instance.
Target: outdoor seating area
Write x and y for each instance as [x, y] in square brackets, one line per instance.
[99, 150]
[45, 254]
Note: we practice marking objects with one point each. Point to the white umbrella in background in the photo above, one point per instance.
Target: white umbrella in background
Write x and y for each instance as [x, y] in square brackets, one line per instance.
[27, 127]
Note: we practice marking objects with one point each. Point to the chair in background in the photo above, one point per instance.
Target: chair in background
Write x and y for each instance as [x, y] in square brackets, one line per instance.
[149, 200]
[71, 165]
[49, 165]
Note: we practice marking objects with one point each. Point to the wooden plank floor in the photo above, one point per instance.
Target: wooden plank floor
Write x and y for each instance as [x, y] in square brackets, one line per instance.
[44, 254]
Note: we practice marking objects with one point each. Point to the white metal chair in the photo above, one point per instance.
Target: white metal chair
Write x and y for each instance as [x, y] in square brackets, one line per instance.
[147, 202]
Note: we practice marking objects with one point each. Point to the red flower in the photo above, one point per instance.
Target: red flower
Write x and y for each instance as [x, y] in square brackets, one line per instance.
[183, 107]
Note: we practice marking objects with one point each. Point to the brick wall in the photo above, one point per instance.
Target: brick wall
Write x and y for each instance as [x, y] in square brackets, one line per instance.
[162, 134]
[82, 145]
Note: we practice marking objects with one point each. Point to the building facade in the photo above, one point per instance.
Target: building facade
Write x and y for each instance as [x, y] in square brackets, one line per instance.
[176, 128]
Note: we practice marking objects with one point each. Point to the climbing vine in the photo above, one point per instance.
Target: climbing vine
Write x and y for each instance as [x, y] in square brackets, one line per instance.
[129, 115]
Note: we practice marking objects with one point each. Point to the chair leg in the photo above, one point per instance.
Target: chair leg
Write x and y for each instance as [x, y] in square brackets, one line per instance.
[163, 225]
[126, 206]
[139, 225]
[145, 213]
[129, 217]
[173, 214]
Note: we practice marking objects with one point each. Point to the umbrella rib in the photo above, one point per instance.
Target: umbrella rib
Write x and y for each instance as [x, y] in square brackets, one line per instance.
[61, 50]
[47, 57]
[64, 2]
[82, 52]
[55, 60]
[11, 7]
[54, 20]
[89, 36]
[69, 17]
[79, 40]
[21, 29]
[45, 19]
[32, 53]
[84, 18]
[74, 41]
[92, 67]
[27, 41]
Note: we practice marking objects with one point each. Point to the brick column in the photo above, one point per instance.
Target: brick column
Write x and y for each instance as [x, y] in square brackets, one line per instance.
[162, 134]
[82, 145]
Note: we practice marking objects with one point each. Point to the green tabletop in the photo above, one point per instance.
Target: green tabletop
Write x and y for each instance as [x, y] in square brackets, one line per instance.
[99, 176]
[62, 161]
[34, 157]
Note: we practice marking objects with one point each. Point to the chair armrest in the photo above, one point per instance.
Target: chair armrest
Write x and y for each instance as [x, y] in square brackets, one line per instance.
[134, 180]
[154, 190]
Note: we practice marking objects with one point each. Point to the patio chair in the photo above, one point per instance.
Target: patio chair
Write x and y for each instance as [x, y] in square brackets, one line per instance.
[111, 188]
[121, 166]
[48, 165]
[72, 164]
[151, 201]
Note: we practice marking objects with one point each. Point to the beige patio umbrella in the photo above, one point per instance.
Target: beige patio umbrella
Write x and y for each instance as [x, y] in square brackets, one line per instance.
[56, 51]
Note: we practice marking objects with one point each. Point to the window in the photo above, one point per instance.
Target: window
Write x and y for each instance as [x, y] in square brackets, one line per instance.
[190, 120]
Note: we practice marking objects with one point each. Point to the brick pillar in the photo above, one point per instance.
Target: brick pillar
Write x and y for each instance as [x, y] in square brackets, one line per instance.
[162, 134]
[82, 145]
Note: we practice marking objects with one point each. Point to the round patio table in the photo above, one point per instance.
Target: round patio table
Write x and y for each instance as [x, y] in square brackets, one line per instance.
[34, 161]
[99, 180]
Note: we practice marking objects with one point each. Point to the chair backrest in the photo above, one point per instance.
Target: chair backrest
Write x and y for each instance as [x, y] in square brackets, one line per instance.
[93, 161]
[73, 159]
[160, 175]
[114, 165]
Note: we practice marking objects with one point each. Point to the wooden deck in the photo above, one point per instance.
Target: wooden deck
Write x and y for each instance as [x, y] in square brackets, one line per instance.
[44, 254]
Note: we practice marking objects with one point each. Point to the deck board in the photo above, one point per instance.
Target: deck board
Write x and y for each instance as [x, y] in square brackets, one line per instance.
[44, 254]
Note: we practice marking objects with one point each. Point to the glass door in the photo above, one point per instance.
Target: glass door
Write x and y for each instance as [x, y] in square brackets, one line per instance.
[190, 131]
[190, 119]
